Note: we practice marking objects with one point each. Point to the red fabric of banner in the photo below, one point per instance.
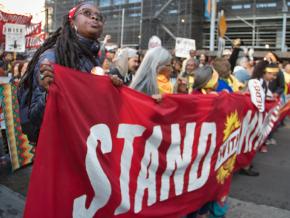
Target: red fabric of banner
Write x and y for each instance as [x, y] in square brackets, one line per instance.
[35, 41]
[33, 29]
[12, 18]
[113, 152]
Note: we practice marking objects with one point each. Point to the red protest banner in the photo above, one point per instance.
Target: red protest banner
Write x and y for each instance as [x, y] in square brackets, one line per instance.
[33, 29]
[113, 152]
[35, 41]
[12, 18]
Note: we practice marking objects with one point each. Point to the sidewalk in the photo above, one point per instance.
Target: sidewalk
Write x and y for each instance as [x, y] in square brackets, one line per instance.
[242, 209]
[12, 206]
[11, 203]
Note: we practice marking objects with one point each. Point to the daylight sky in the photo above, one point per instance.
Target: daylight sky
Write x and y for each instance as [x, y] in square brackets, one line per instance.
[33, 7]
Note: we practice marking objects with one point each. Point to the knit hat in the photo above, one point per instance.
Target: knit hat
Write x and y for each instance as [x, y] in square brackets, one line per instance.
[203, 77]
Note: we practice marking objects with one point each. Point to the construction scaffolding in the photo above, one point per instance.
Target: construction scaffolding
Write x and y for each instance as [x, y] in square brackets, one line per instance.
[261, 24]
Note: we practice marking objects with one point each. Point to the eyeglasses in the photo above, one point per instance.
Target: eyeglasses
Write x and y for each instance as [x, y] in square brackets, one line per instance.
[89, 14]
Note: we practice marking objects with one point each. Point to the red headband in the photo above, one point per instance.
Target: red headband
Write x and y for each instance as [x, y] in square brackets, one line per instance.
[72, 12]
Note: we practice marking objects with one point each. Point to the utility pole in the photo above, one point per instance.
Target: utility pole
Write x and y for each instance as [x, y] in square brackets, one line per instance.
[141, 24]
[254, 25]
[46, 20]
[212, 24]
[122, 28]
[284, 11]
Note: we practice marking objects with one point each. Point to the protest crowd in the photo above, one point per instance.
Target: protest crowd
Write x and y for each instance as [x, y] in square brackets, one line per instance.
[156, 72]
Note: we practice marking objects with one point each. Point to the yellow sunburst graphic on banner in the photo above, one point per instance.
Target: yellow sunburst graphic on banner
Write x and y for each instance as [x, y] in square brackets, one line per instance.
[226, 169]
[232, 123]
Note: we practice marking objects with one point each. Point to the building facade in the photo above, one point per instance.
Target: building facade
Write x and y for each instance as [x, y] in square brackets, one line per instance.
[259, 23]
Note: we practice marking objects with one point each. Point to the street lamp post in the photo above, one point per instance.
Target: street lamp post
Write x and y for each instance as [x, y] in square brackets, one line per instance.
[212, 24]
[284, 11]
[46, 20]
[141, 24]
[122, 28]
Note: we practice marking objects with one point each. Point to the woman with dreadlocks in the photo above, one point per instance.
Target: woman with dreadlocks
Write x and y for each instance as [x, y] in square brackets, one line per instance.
[74, 45]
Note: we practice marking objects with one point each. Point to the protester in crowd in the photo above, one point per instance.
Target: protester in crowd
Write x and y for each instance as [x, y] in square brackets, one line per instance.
[2, 72]
[192, 55]
[203, 60]
[287, 78]
[236, 52]
[154, 42]
[18, 70]
[125, 64]
[181, 85]
[176, 65]
[74, 45]
[163, 79]
[287, 73]
[276, 85]
[226, 79]
[266, 72]
[205, 80]
[241, 71]
[103, 50]
[146, 76]
[191, 66]
[6, 63]
[108, 61]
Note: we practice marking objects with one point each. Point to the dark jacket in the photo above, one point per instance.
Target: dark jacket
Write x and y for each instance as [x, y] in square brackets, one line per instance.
[278, 84]
[31, 116]
[126, 79]
[234, 57]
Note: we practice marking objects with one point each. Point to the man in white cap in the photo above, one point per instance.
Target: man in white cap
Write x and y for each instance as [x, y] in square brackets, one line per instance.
[125, 64]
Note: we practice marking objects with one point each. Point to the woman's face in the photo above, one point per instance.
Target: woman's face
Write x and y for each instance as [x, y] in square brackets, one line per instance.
[202, 59]
[166, 70]
[133, 64]
[89, 22]
[269, 76]
[177, 66]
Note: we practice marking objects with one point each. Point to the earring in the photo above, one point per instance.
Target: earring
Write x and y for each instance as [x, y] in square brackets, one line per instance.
[75, 27]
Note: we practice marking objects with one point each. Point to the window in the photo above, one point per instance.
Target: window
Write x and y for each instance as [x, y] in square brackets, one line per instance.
[173, 11]
[266, 5]
[134, 1]
[237, 7]
[135, 15]
[118, 2]
[104, 3]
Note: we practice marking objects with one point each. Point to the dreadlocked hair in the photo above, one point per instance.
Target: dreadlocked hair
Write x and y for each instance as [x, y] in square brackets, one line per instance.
[67, 50]
[27, 80]
[68, 47]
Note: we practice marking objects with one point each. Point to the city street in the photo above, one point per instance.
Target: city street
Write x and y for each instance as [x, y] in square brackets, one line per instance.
[145, 108]
[267, 195]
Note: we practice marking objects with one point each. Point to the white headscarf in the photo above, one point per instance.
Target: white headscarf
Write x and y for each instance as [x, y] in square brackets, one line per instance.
[154, 42]
[145, 79]
[121, 59]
